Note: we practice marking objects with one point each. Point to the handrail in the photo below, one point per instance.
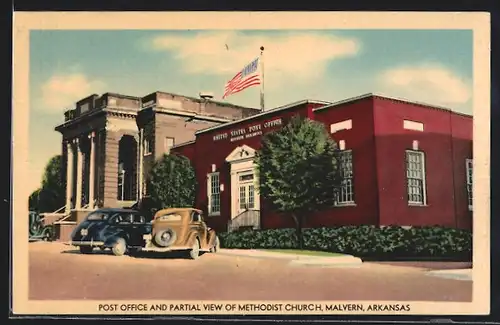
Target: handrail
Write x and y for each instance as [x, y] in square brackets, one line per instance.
[63, 218]
[55, 212]
[67, 215]
[248, 217]
[61, 208]
[245, 211]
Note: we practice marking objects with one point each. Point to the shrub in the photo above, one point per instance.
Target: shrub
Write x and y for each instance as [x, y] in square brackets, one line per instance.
[363, 241]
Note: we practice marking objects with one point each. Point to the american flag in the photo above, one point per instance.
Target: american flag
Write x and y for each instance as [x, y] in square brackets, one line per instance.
[247, 77]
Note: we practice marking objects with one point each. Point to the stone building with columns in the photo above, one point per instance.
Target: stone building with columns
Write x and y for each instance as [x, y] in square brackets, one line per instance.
[110, 141]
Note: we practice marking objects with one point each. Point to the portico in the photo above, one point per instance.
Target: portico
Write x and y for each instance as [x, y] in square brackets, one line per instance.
[80, 192]
[245, 202]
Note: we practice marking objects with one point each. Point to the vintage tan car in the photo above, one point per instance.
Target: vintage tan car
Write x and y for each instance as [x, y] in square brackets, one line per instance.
[181, 229]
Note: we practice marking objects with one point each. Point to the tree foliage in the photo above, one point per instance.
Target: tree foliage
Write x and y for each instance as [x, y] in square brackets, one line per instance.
[298, 169]
[172, 182]
[34, 199]
[52, 193]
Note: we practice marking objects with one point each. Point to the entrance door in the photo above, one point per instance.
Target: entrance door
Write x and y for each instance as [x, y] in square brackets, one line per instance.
[246, 198]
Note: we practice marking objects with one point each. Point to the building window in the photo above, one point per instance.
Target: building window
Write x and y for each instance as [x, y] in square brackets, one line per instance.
[339, 126]
[247, 192]
[169, 143]
[251, 197]
[84, 108]
[213, 188]
[412, 125]
[415, 175]
[243, 199]
[147, 147]
[468, 164]
[346, 194]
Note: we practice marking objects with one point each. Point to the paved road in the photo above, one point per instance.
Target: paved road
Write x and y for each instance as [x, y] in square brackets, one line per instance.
[61, 272]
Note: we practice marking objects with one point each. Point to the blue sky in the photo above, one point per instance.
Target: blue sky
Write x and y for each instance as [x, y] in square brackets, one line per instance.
[433, 66]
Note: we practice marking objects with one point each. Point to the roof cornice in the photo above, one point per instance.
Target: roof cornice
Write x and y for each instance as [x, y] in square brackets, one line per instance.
[274, 110]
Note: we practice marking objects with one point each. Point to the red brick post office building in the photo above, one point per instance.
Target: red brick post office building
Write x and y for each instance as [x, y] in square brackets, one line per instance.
[404, 163]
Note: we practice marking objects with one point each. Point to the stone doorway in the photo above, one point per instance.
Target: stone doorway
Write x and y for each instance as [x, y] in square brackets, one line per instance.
[127, 168]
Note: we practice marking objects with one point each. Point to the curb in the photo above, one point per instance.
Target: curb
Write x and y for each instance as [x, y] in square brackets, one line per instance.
[297, 260]
[346, 260]
[460, 274]
[254, 253]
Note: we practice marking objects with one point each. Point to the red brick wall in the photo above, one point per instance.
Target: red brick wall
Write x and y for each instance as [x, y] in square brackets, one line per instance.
[187, 150]
[436, 142]
[462, 149]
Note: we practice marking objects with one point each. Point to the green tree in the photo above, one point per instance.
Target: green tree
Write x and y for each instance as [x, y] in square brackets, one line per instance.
[172, 182]
[34, 199]
[297, 168]
[53, 176]
[51, 195]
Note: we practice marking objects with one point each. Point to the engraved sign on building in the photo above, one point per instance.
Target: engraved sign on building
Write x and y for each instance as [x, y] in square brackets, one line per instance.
[248, 132]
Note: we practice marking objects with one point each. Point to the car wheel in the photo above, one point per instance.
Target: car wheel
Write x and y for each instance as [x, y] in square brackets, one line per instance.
[194, 252]
[165, 237]
[216, 246]
[119, 247]
[86, 249]
[47, 235]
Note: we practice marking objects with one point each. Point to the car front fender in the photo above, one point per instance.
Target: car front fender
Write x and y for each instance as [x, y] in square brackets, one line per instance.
[111, 239]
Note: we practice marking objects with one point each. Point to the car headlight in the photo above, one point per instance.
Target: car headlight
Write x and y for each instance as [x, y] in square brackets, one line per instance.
[147, 237]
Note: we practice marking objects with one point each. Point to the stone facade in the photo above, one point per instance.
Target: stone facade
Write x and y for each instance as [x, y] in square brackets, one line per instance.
[111, 141]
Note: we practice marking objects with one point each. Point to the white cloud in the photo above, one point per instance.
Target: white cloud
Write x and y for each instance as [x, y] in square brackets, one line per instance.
[431, 83]
[61, 91]
[299, 57]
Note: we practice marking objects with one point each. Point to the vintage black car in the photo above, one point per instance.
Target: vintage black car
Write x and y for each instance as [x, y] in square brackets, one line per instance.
[120, 230]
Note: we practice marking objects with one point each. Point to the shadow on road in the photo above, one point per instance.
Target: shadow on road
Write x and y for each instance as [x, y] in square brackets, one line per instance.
[157, 255]
[146, 255]
[94, 252]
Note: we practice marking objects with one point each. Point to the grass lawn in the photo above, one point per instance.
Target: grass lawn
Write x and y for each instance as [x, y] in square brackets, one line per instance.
[304, 252]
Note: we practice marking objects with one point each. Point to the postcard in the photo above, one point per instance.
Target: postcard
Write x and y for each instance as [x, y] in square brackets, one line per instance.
[204, 163]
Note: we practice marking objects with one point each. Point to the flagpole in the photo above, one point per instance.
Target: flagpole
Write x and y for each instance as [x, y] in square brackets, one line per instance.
[261, 63]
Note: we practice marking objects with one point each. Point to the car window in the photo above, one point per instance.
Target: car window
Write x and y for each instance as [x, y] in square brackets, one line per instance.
[170, 217]
[127, 218]
[97, 216]
[120, 218]
[137, 218]
[115, 218]
[196, 217]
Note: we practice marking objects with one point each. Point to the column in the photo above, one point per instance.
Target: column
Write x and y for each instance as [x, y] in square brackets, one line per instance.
[137, 138]
[141, 162]
[79, 175]
[92, 170]
[69, 174]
